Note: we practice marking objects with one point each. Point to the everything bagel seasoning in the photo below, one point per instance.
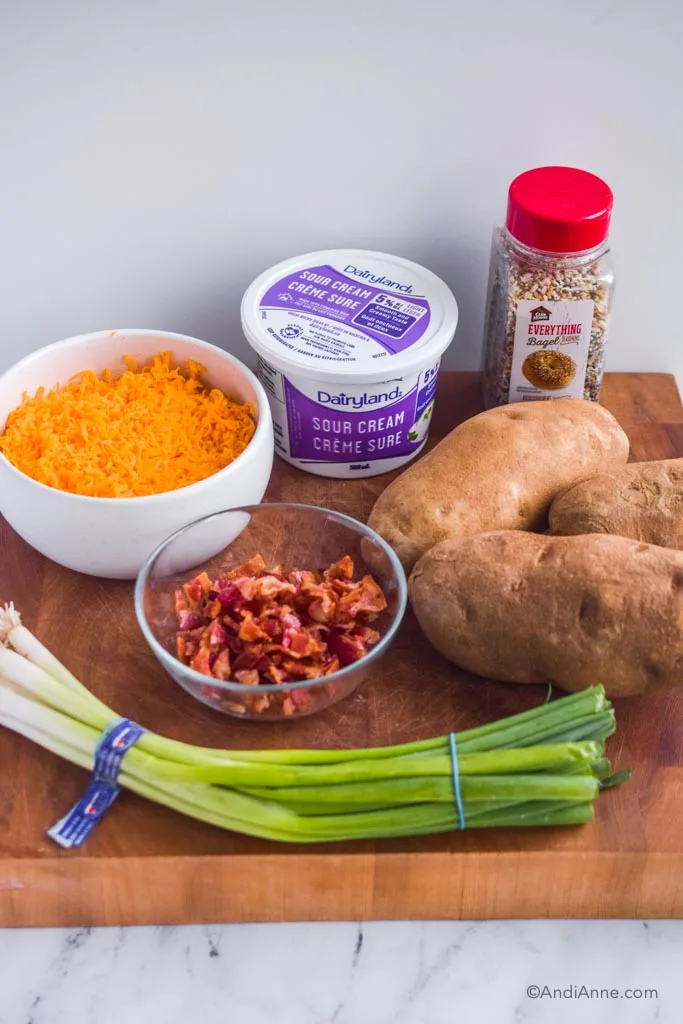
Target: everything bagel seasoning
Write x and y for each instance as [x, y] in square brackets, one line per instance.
[550, 289]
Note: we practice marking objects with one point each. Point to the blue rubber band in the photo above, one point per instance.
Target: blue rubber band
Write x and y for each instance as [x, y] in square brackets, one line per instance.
[115, 740]
[456, 779]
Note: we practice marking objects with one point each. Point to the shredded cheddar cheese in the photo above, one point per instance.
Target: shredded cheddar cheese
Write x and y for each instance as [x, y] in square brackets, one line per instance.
[149, 430]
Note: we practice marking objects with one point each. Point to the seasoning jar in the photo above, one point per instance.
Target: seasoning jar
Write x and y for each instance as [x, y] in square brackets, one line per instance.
[550, 289]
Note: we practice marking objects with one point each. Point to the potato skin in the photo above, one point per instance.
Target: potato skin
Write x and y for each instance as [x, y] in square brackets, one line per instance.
[571, 611]
[643, 500]
[499, 470]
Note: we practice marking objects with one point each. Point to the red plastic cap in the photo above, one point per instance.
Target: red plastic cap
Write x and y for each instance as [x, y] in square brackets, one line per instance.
[559, 209]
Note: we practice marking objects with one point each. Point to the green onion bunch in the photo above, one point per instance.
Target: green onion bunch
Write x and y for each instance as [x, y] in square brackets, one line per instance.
[545, 766]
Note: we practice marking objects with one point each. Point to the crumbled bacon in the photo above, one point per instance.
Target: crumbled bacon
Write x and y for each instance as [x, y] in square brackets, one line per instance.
[249, 677]
[322, 609]
[222, 669]
[196, 589]
[201, 662]
[254, 566]
[250, 630]
[341, 570]
[258, 626]
[228, 596]
[216, 637]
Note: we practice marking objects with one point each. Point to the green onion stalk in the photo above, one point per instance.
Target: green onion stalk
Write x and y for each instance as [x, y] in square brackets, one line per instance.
[545, 766]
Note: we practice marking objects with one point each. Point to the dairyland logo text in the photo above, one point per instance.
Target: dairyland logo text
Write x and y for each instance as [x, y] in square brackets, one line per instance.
[383, 282]
[358, 401]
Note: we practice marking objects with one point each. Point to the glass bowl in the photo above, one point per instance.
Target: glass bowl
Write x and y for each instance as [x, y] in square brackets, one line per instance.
[296, 537]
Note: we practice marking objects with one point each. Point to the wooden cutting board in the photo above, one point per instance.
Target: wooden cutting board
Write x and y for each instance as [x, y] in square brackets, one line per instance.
[145, 864]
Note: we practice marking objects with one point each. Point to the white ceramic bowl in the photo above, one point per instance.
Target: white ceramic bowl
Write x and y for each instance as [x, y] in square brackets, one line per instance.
[113, 537]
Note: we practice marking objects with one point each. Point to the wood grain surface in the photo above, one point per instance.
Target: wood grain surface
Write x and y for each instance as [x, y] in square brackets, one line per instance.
[145, 864]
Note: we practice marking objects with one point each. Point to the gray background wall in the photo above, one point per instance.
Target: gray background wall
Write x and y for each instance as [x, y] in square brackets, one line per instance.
[156, 155]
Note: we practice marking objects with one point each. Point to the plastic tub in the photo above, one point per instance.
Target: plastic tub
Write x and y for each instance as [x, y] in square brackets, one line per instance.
[349, 344]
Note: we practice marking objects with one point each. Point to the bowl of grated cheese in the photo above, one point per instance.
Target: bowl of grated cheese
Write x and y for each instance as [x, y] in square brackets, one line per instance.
[111, 441]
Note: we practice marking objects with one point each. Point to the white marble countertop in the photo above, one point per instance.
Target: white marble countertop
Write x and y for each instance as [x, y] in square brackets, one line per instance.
[376, 973]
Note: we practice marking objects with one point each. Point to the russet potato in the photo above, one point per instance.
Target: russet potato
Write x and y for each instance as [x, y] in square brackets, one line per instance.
[643, 500]
[571, 611]
[499, 470]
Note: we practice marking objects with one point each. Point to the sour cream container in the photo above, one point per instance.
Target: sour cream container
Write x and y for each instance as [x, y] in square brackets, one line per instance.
[349, 344]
